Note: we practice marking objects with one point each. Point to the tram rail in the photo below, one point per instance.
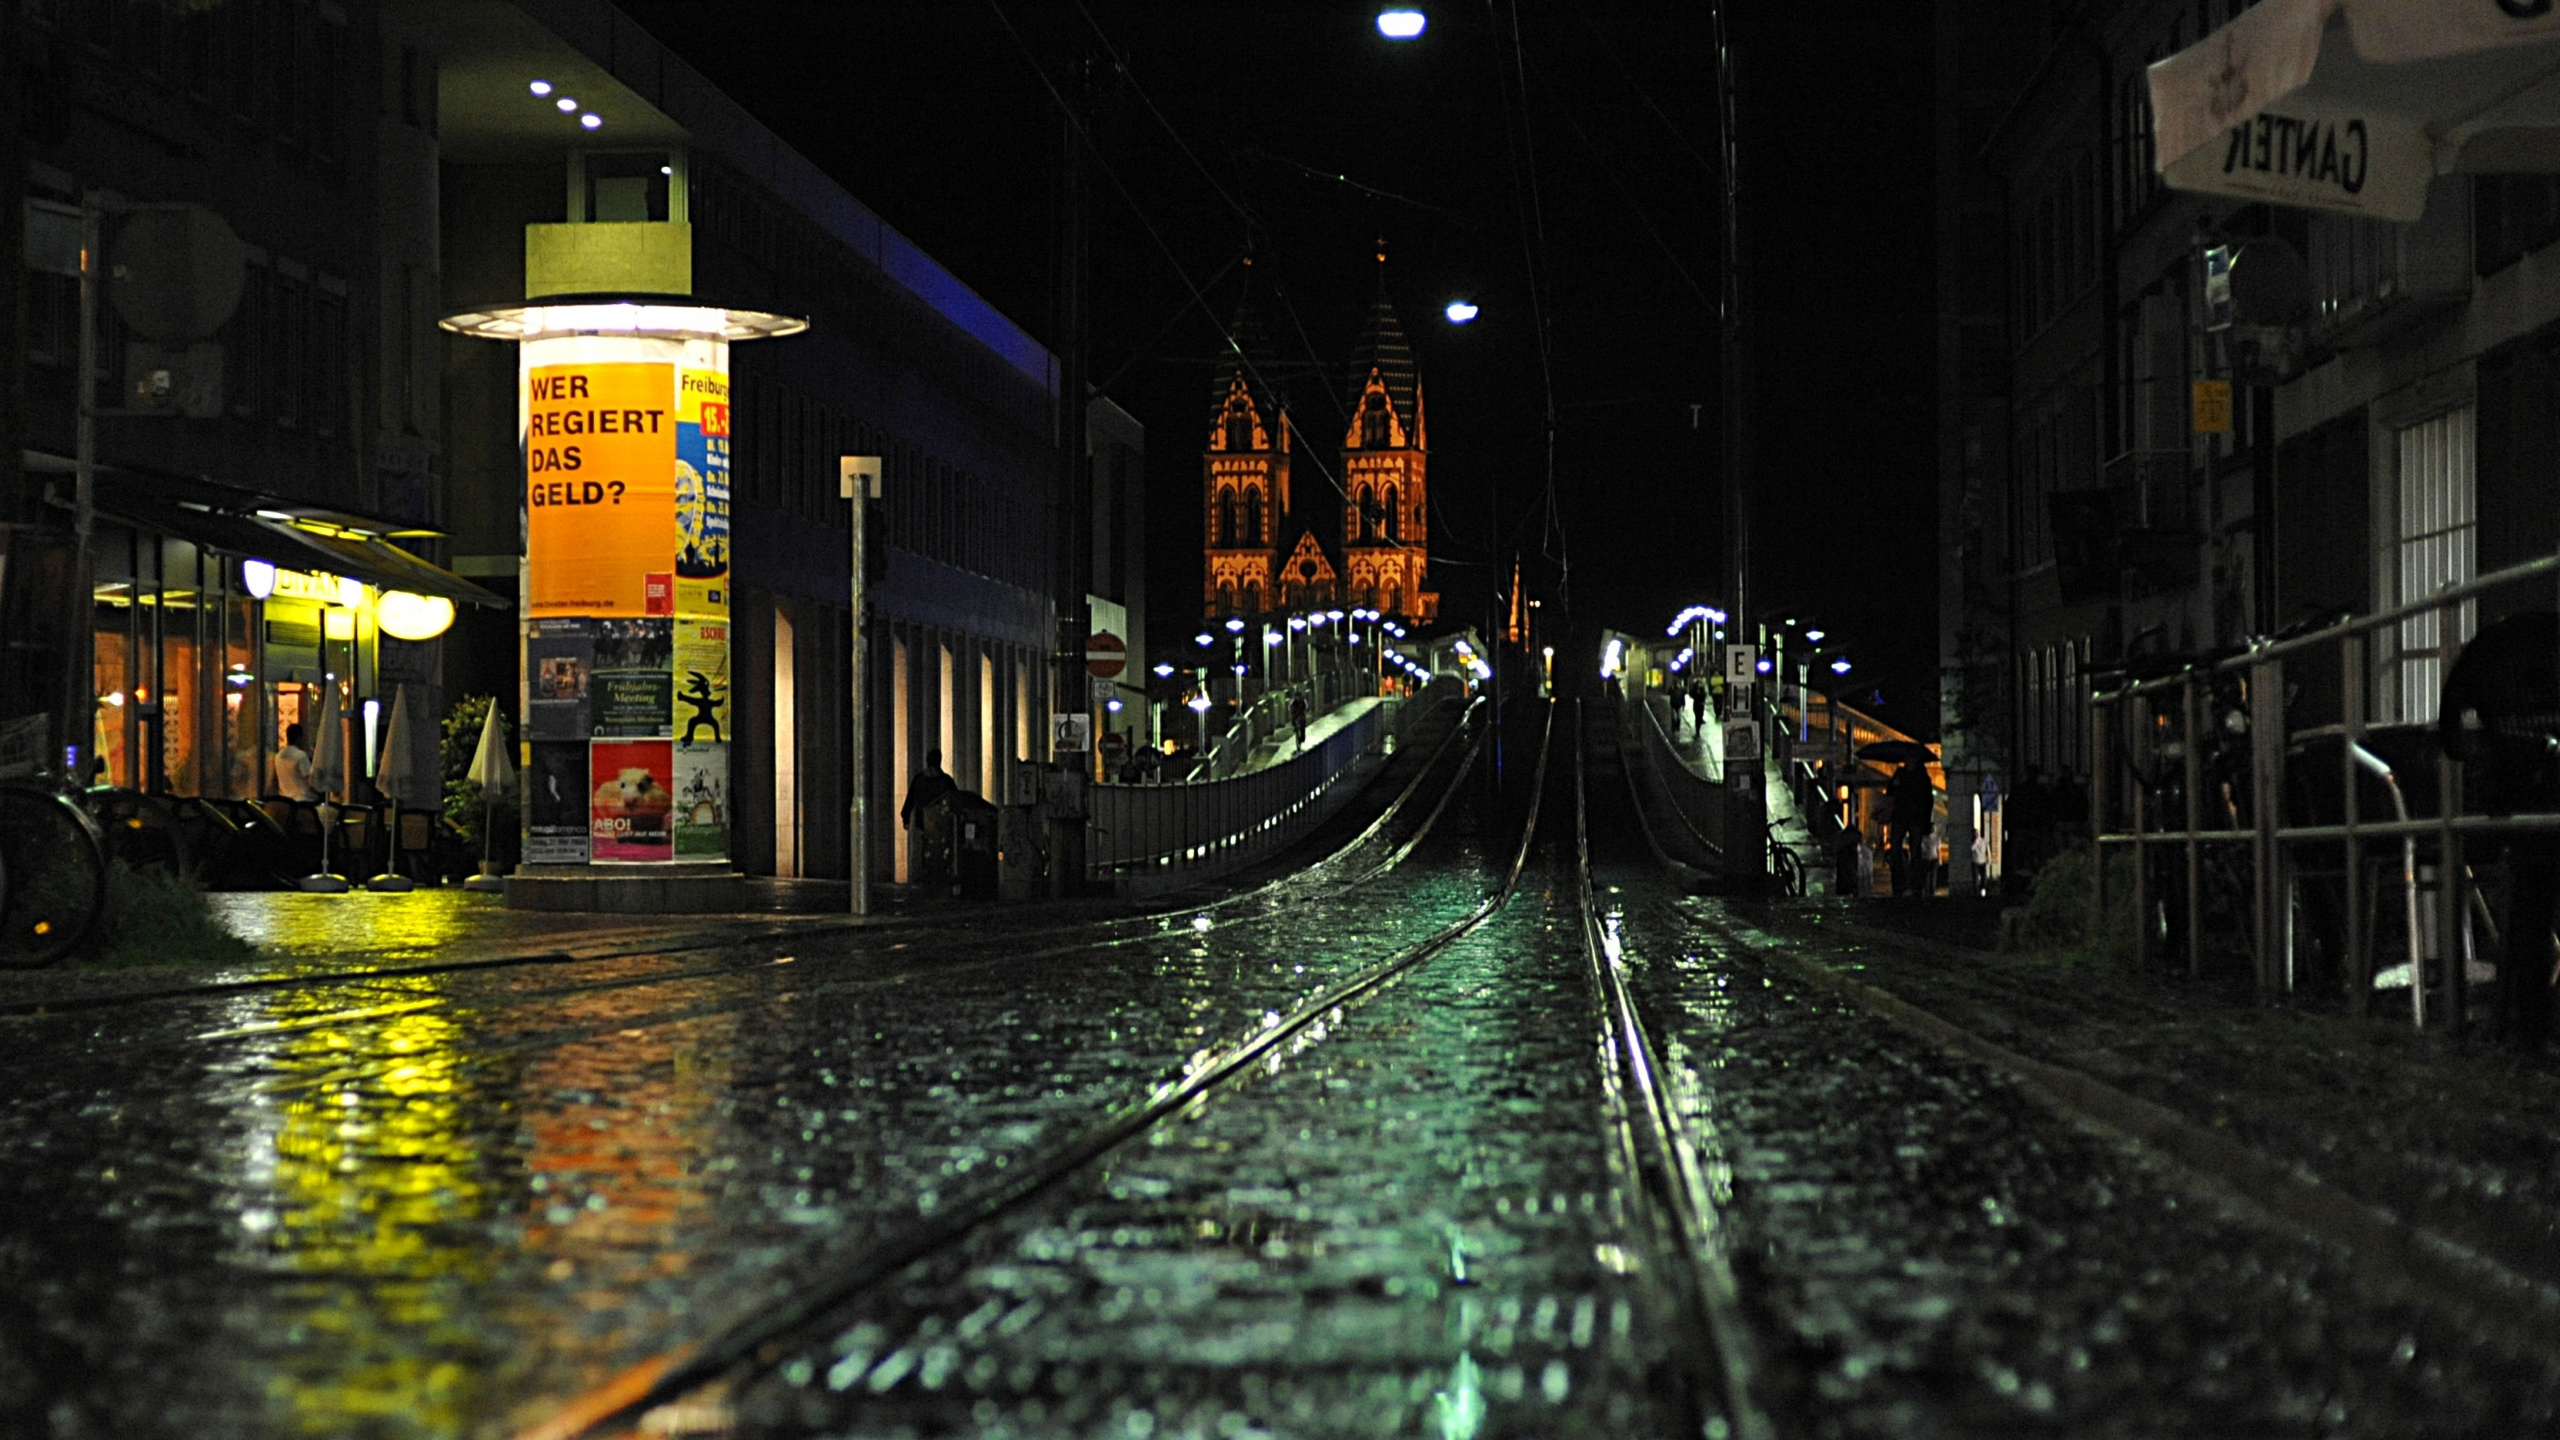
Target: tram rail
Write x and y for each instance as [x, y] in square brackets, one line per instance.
[673, 1390]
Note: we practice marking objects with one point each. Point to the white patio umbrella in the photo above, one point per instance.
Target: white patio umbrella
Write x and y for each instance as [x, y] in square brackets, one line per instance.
[328, 771]
[495, 774]
[2358, 105]
[396, 775]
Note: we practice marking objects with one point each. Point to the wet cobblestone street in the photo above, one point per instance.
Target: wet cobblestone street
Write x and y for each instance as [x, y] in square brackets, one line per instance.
[444, 1204]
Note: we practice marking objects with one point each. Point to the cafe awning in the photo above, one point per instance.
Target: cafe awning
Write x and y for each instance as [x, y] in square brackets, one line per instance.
[152, 504]
[2358, 105]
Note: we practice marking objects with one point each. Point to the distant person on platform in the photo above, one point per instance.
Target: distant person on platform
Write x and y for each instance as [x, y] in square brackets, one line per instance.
[1298, 718]
[292, 768]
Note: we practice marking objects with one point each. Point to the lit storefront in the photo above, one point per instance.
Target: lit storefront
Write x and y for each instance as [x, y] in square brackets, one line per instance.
[213, 630]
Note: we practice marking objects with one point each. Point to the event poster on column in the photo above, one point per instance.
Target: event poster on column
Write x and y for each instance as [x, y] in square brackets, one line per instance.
[702, 802]
[702, 495]
[555, 812]
[631, 808]
[600, 486]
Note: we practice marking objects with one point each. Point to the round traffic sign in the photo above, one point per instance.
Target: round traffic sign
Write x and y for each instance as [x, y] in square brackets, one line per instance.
[1105, 655]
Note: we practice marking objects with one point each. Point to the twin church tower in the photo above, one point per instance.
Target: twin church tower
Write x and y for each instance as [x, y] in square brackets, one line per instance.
[1357, 537]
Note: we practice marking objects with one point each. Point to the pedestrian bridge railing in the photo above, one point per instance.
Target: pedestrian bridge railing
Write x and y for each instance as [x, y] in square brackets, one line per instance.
[1144, 839]
[1698, 801]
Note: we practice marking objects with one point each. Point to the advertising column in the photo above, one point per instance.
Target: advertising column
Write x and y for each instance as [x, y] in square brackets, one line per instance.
[626, 453]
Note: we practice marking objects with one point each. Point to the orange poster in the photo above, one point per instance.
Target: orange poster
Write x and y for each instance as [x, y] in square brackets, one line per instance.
[600, 488]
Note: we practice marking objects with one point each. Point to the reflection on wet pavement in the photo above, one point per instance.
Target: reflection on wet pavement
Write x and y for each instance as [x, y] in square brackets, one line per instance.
[1405, 1223]
[433, 1205]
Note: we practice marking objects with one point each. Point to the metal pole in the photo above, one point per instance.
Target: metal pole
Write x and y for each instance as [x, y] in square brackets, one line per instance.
[2453, 926]
[2195, 816]
[2358, 966]
[2266, 779]
[2141, 874]
[2098, 762]
[858, 479]
[79, 703]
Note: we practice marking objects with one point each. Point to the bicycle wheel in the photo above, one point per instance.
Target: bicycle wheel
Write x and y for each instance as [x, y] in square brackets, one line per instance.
[56, 863]
[1787, 871]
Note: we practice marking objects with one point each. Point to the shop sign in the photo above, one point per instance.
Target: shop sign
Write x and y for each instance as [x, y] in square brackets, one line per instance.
[318, 587]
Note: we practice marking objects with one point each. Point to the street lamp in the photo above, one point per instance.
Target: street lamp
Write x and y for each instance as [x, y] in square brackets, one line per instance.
[1460, 312]
[1402, 23]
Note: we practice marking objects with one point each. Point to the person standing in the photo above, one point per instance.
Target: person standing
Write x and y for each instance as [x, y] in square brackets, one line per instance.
[1913, 800]
[931, 784]
[931, 845]
[291, 768]
[1298, 718]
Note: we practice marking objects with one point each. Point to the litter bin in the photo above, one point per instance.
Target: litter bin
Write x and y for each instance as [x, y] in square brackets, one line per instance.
[973, 845]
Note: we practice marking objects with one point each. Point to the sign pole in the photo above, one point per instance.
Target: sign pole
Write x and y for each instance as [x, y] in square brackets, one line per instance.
[858, 480]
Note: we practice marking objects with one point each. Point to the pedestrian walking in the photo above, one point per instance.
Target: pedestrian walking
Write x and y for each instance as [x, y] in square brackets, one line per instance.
[291, 768]
[1298, 718]
[1982, 859]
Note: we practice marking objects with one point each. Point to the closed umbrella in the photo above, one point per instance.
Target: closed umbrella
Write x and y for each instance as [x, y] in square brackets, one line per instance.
[495, 774]
[328, 772]
[396, 776]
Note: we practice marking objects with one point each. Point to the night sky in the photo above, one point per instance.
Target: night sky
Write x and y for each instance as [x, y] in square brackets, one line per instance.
[1589, 162]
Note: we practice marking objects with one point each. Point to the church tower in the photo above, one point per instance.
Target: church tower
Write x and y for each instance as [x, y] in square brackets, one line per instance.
[1386, 534]
[1244, 476]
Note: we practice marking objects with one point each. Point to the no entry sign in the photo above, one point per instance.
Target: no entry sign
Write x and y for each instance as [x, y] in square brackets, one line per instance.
[1105, 655]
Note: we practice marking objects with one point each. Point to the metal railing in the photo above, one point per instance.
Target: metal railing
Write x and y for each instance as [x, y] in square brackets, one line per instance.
[1156, 837]
[1699, 802]
[1266, 715]
[2298, 814]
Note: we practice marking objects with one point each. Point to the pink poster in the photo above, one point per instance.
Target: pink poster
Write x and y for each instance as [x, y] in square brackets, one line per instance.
[629, 807]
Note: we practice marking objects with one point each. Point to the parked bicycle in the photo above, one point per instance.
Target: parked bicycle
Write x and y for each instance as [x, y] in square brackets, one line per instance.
[53, 875]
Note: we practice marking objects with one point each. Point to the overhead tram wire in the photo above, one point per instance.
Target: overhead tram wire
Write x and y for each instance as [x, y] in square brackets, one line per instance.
[1687, 146]
[1255, 224]
[1529, 200]
[1199, 295]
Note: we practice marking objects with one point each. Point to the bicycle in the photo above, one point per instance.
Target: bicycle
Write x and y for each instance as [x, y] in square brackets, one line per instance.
[54, 860]
[1786, 872]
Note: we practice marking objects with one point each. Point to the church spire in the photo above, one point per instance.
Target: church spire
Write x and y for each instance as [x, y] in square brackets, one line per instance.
[1385, 354]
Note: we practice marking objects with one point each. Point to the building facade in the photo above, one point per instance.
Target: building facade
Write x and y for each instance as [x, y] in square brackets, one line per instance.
[386, 166]
[2131, 467]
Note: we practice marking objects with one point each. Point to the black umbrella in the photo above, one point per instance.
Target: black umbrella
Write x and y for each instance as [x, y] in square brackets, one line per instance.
[1897, 752]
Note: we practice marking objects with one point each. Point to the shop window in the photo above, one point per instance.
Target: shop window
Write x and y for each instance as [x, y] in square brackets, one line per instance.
[2435, 546]
[2511, 217]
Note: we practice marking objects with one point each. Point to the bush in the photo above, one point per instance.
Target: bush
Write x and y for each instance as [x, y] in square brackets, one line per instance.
[155, 917]
[465, 808]
[2058, 911]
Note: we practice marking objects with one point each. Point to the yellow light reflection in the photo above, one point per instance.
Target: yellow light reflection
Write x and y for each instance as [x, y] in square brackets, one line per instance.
[380, 1184]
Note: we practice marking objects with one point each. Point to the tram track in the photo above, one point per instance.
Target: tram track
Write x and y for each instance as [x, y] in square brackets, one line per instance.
[674, 1391]
[1665, 1164]
[943, 953]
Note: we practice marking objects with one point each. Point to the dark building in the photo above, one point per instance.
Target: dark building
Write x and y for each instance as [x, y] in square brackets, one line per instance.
[2133, 466]
[386, 166]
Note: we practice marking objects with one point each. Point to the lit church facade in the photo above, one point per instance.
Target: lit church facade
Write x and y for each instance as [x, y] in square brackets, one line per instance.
[1362, 539]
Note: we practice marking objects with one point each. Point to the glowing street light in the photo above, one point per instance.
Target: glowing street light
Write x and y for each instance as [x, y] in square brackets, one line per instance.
[1401, 23]
[1164, 670]
[1840, 666]
[1459, 312]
